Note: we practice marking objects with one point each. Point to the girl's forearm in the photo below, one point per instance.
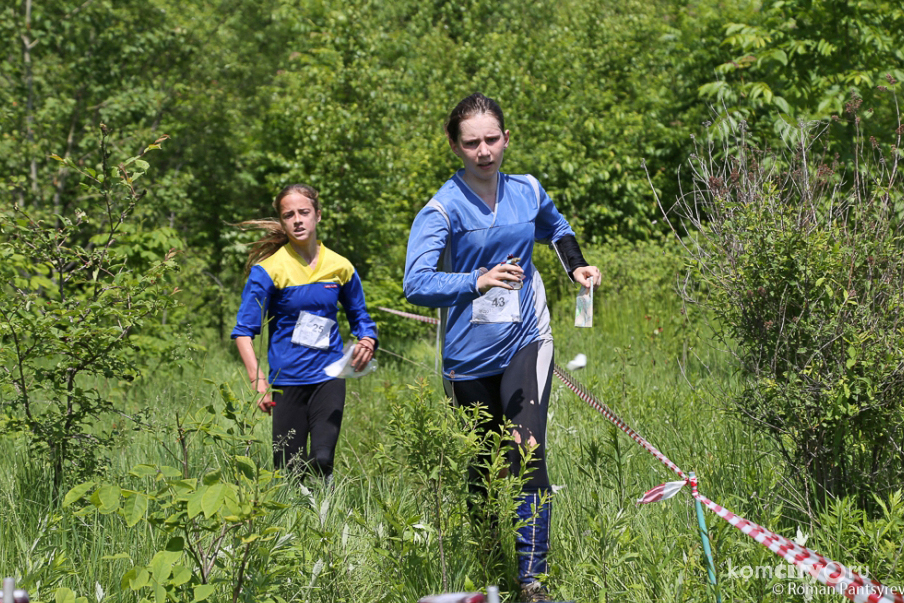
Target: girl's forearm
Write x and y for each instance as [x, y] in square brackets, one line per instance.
[249, 358]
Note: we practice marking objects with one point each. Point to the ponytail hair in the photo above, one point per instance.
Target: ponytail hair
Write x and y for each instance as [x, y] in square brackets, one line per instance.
[275, 235]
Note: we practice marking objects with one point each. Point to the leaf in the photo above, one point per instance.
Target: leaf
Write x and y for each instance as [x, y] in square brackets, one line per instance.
[159, 593]
[161, 564]
[175, 544]
[781, 103]
[713, 89]
[250, 538]
[246, 466]
[106, 498]
[194, 502]
[135, 579]
[213, 499]
[203, 591]
[212, 478]
[184, 486]
[77, 493]
[134, 507]
[181, 575]
[170, 472]
[143, 471]
[64, 595]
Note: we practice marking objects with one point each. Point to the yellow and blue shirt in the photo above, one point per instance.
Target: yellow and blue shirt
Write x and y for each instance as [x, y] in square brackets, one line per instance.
[282, 286]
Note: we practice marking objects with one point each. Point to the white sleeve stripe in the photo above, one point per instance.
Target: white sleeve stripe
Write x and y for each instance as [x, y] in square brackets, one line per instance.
[535, 184]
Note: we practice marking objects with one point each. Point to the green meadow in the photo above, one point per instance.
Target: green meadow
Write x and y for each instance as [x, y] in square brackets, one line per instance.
[136, 134]
[385, 531]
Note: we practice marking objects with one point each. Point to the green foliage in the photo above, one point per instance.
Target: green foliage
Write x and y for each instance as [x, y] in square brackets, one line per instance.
[793, 60]
[333, 542]
[350, 97]
[216, 522]
[68, 70]
[71, 300]
[432, 444]
[358, 112]
[802, 266]
[874, 539]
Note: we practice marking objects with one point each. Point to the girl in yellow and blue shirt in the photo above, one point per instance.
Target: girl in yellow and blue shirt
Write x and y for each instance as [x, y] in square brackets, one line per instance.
[295, 284]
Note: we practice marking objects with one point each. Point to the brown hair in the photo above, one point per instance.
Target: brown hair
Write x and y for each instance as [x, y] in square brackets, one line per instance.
[475, 104]
[275, 236]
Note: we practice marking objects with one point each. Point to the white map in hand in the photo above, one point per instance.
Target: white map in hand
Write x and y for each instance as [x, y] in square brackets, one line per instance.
[583, 313]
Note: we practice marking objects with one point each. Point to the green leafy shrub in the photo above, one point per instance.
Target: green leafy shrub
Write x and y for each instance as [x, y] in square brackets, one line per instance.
[70, 304]
[800, 259]
[431, 445]
[216, 522]
[796, 59]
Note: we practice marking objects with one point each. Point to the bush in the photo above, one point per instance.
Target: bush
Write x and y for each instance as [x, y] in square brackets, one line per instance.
[801, 262]
[71, 302]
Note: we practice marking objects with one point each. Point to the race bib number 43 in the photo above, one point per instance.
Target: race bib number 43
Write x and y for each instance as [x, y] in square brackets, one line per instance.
[312, 331]
[496, 305]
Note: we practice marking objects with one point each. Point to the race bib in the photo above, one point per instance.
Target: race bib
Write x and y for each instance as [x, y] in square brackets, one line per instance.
[312, 331]
[496, 305]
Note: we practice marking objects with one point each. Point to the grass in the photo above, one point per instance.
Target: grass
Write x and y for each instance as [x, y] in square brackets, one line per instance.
[374, 536]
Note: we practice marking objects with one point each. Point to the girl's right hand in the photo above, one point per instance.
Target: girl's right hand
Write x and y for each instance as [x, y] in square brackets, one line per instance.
[501, 275]
[266, 402]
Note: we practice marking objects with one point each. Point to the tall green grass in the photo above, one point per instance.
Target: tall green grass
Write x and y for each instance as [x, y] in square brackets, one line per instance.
[372, 537]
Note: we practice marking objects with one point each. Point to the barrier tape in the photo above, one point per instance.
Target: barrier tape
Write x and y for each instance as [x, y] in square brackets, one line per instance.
[604, 410]
[841, 579]
[831, 573]
[426, 319]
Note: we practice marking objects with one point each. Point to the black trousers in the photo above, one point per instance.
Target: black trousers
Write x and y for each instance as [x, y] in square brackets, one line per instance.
[307, 411]
[521, 395]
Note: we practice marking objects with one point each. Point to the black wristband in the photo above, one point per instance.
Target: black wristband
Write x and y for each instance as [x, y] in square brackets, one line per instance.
[569, 253]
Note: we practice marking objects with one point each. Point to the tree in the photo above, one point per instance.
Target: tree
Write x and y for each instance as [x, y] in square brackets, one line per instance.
[799, 259]
[800, 60]
[69, 305]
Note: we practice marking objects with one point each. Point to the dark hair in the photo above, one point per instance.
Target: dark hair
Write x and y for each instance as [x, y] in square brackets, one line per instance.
[475, 104]
[275, 236]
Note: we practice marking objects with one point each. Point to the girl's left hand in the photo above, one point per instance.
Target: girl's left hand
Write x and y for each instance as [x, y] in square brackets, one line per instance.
[588, 276]
[364, 351]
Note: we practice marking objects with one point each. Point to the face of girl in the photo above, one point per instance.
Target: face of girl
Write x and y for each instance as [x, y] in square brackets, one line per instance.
[299, 218]
[480, 145]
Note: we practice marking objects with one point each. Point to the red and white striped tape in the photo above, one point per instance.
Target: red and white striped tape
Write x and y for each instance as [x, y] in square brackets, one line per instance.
[426, 319]
[831, 573]
[604, 410]
[841, 579]
[661, 492]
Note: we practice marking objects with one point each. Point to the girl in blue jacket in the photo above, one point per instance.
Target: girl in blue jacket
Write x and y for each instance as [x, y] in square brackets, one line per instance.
[294, 285]
[470, 253]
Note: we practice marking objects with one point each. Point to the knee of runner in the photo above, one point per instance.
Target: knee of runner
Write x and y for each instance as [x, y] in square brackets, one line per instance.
[518, 437]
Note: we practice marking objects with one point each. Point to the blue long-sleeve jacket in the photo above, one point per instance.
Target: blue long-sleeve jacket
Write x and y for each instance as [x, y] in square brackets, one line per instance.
[454, 236]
